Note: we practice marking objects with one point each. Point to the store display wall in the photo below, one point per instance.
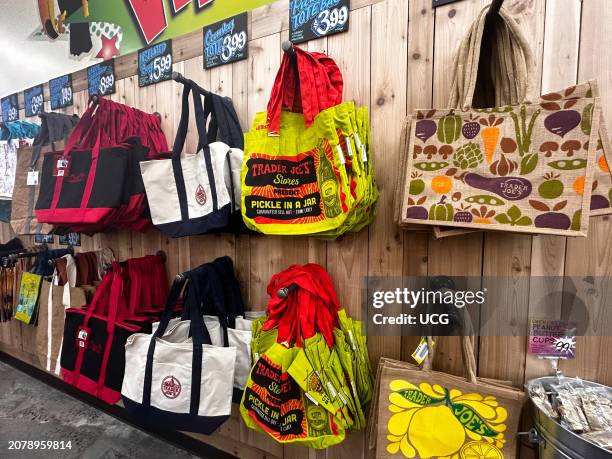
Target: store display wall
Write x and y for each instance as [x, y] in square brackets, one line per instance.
[396, 57]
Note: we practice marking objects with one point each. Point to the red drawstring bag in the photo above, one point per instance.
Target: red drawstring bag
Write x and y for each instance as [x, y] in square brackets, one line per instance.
[307, 83]
[310, 307]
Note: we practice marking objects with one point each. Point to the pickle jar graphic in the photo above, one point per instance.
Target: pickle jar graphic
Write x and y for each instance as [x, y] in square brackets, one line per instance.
[329, 185]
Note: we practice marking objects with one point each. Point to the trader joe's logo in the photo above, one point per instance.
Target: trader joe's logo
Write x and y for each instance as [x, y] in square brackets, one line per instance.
[200, 195]
[171, 387]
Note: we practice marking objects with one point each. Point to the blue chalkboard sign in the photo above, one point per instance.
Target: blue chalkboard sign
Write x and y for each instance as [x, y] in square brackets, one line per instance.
[73, 239]
[310, 19]
[155, 63]
[34, 100]
[60, 91]
[101, 78]
[10, 108]
[43, 239]
[226, 41]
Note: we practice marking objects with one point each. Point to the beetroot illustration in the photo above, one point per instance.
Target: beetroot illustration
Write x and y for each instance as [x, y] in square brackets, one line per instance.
[562, 122]
[554, 220]
[599, 202]
[511, 188]
[425, 129]
[417, 213]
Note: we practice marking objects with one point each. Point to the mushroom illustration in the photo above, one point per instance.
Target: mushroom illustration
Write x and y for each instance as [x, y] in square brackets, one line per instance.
[548, 148]
[445, 151]
[430, 151]
[570, 147]
[417, 151]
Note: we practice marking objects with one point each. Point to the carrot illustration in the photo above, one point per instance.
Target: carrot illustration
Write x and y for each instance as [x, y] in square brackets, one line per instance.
[490, 135]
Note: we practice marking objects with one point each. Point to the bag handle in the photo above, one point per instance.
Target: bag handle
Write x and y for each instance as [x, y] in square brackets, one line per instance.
[512, 67]
[198, 331]
[179, 143]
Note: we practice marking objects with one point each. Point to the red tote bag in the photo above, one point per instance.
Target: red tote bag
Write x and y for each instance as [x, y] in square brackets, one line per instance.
[93, 350]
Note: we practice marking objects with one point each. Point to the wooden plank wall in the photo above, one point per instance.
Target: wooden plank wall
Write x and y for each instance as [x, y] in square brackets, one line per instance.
[395, 58]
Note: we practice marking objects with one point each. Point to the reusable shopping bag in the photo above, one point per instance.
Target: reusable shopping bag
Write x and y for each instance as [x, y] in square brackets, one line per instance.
[93, 347]
[188, 193]
[94, 185]
[428, 414]
[176, 380]
[55, 129]
[307, 167]
[305, 386]
[26, 310]
[54, 300]
[521, 167]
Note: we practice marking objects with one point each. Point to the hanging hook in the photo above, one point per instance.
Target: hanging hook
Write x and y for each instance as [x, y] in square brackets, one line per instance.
[288, 48]
[179, 78]
[494, 8]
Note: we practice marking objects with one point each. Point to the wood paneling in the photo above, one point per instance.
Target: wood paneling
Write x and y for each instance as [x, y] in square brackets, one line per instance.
[396, 57]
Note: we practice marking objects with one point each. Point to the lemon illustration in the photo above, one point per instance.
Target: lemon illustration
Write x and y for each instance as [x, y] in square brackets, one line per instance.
[480, 450]
[436, 422]
[435, 432]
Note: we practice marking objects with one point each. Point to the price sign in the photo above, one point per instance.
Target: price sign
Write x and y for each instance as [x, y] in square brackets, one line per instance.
[155, 63]
[101, 78]
[73, 239]
[552, 338]
[60, 90]
[226, 41]
[43, 239]
[34, 100]
[310, 19]
[10, 108]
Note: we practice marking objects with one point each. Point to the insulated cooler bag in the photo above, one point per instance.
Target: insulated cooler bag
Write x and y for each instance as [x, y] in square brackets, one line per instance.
[188, 193]
[173, 379]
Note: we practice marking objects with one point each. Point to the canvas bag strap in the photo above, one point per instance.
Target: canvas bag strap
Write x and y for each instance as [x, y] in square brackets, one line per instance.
[512, 67]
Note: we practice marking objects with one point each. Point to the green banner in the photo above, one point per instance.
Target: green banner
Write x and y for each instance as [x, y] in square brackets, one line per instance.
[124, 26]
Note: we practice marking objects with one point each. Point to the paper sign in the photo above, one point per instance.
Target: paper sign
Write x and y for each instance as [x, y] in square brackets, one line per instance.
[73, 239]
[552, 338]
[155, 63]
[32, 179]
[226, 41]
[101, 78]
[309, 20]
[60, 92]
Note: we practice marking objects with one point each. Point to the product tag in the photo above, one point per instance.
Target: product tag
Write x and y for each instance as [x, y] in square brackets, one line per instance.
[331, 389]
[341, 154]
[62, 167]
[349, 147]
[342, 398]
[83, 333]
[361, 147]
[32, 178]
[421, 351]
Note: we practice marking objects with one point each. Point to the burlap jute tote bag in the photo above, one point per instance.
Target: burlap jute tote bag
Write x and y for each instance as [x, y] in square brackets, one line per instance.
[526, 167]
[428, 414]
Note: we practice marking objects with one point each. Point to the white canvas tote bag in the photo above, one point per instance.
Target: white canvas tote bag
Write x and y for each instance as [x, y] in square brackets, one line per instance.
[185, 382]
[188, 193]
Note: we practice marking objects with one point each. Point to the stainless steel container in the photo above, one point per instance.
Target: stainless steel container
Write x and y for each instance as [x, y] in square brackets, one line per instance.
[555, 441]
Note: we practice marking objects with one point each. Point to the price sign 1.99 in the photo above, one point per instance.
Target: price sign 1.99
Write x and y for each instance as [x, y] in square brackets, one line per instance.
[311, 19]
[34, 100]
[10, 108]
[155, 63]
[226, 41]
[101, 78]
[60, 92]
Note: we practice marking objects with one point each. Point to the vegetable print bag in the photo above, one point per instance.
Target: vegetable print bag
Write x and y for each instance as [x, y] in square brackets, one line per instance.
[489, 168]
